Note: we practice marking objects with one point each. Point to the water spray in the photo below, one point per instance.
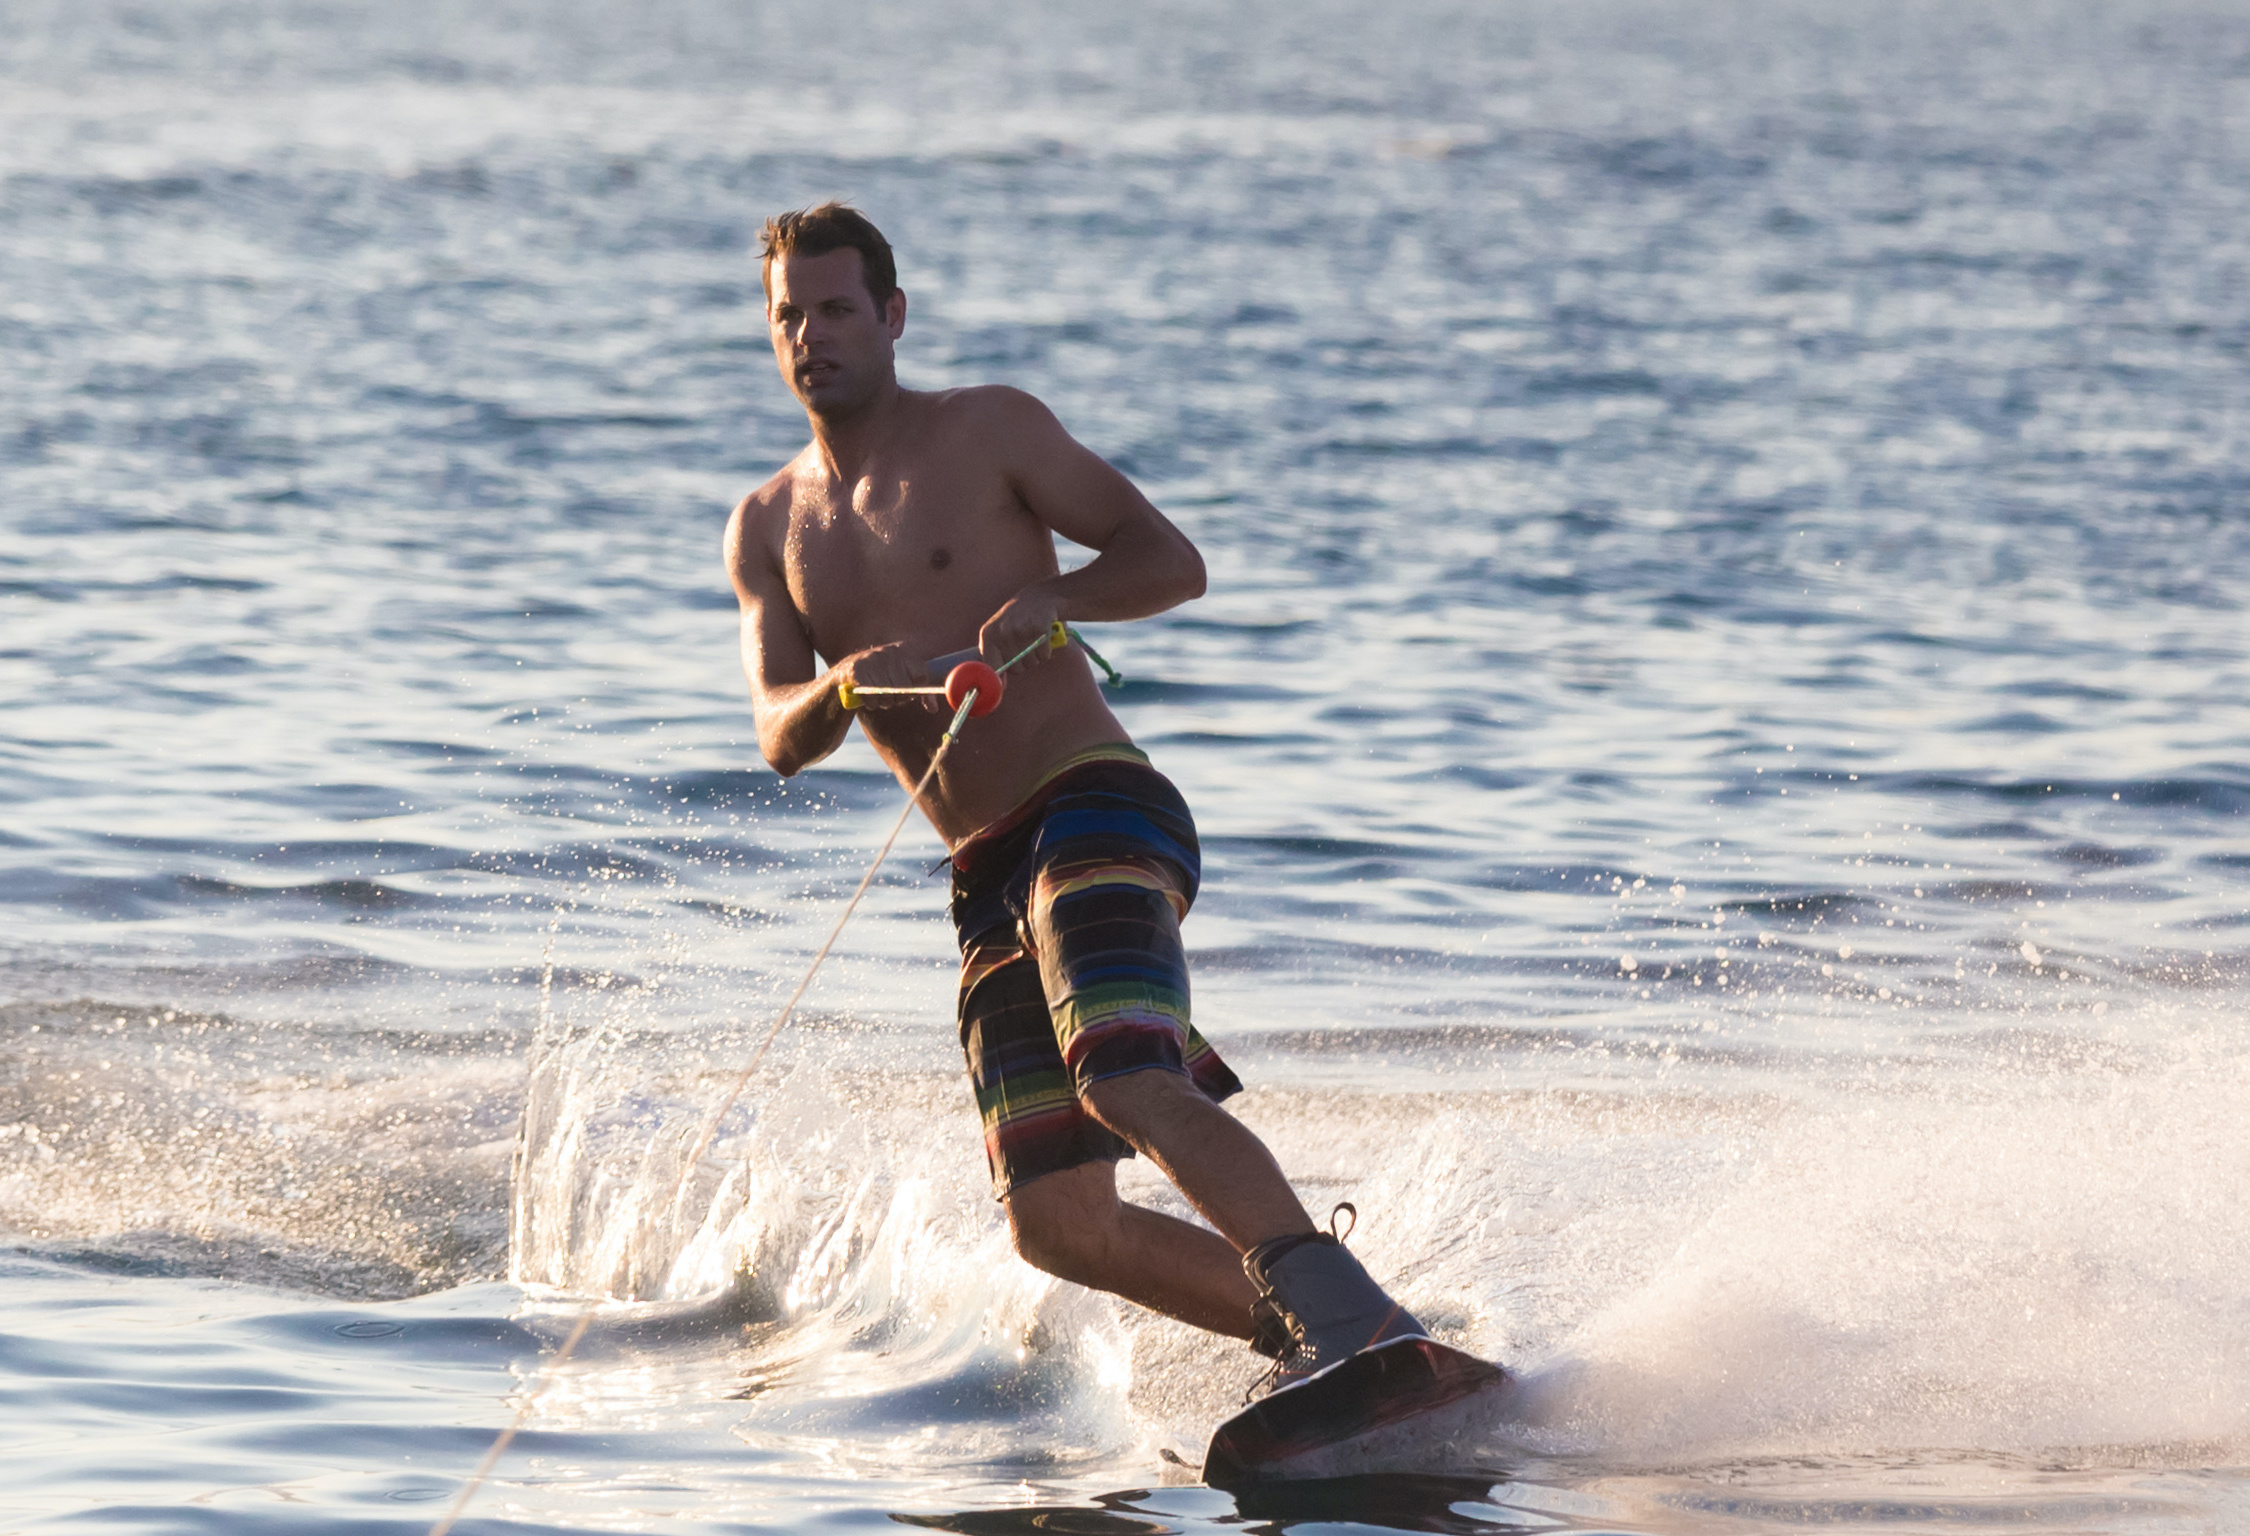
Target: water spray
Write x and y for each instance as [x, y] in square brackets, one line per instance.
[973, 689]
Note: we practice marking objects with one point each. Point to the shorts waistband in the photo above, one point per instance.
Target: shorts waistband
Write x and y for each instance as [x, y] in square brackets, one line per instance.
[967, 851]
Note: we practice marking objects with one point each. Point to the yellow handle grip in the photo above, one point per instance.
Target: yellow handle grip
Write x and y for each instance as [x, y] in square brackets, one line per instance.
[847, 695]
[1058, 635]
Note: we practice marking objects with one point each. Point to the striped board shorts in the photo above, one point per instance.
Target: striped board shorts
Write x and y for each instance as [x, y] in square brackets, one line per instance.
[1068, 910]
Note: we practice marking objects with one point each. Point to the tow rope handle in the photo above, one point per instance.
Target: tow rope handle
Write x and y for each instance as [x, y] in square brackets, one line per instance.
[950, 664]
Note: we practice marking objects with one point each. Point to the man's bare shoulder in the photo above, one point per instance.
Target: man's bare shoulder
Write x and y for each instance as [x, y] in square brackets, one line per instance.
[998, 409]
[760, 520]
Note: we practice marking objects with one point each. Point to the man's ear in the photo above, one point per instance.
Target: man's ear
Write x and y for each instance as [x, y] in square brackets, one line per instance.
[894, 314]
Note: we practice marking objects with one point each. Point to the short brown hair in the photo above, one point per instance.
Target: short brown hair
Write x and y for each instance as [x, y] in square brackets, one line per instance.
[830, 227]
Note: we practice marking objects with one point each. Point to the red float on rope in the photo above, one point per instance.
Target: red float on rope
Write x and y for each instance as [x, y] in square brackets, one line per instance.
[973, 677]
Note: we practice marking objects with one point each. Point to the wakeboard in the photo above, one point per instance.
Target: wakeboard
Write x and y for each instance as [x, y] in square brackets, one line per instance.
[1397, 1407]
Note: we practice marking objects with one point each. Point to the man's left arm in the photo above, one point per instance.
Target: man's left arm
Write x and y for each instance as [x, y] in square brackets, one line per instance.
[1142, 564]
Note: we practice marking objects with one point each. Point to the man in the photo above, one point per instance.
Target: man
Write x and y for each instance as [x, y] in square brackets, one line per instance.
[919, 523]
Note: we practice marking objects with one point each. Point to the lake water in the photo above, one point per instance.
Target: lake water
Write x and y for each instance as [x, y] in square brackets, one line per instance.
[1720, 729]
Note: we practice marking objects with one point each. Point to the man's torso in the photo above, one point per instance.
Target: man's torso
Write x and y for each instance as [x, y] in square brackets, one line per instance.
[924, 546]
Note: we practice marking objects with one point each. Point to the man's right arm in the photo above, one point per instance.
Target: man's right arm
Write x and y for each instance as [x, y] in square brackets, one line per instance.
[799, 707]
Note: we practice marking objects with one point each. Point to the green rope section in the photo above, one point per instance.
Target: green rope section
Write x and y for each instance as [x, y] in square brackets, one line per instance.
[1111, 677]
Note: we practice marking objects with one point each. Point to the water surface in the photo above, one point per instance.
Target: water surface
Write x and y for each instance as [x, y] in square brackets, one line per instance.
[1718, 728]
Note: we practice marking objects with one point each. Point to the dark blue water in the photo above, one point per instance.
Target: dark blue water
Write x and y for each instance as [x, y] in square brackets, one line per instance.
[1718, 727]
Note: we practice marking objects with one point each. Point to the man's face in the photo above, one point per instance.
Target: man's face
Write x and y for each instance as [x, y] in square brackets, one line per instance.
[831, 342]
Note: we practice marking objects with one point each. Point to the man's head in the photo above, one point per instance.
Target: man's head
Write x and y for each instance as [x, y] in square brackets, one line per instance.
[830, 227]
[833, 306]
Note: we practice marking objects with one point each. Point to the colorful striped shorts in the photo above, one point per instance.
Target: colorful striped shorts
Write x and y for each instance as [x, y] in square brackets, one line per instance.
[1069, 914]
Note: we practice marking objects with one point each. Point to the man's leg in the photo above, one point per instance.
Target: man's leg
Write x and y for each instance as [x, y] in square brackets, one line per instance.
[1216, 1161]
[1115, 873]
[1106, 935]
[1333, 1307]
[1072, 1225]
[1054, 1162]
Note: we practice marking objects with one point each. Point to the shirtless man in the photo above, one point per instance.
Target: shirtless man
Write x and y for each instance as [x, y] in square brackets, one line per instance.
[918, 523]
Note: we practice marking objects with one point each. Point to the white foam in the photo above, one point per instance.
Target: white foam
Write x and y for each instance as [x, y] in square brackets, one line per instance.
[2030, 1260]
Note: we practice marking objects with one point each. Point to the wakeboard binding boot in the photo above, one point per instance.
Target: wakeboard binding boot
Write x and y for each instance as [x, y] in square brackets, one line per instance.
[1317, 1305]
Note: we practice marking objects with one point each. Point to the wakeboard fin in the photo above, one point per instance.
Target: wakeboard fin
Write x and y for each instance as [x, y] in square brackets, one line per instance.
[1390, 1408]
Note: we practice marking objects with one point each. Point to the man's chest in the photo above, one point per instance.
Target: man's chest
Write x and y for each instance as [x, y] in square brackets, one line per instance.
[899, 551]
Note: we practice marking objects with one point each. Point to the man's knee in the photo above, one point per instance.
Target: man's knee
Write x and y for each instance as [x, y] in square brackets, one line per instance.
[1140, 1105]
[1056, 1247]
[1065, 1223]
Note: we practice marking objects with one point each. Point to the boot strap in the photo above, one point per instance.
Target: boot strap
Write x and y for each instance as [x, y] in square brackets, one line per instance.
[1261, 1259]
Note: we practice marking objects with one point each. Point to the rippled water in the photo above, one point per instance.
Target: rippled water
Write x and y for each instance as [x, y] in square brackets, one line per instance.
[1718, 726]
